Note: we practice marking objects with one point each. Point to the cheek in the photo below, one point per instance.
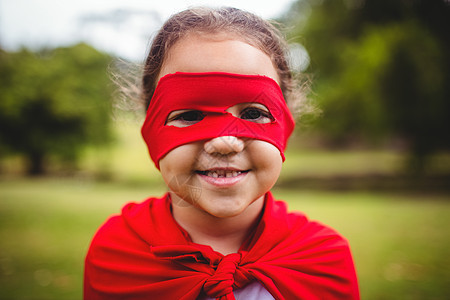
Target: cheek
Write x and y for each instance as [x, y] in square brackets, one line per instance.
[266, 160]
[178, 165]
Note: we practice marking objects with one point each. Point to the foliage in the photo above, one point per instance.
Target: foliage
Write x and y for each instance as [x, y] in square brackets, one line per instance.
[380, 68]
[52, 102]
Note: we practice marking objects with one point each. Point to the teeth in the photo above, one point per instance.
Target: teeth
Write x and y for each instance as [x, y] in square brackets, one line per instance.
[223, 173]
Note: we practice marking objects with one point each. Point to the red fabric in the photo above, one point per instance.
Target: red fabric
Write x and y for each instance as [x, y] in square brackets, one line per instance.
[213, 93]
[144, 254]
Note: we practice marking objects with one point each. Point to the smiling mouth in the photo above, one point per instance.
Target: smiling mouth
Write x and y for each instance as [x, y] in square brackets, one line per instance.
[222, 173]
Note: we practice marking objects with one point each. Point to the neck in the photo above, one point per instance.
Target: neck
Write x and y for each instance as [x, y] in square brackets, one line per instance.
[224, 235]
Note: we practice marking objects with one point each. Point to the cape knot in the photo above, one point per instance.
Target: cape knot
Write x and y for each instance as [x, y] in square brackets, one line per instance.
[221, 283]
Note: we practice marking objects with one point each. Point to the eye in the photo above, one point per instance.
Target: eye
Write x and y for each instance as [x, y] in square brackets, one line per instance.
[184, 118]
[256, 114]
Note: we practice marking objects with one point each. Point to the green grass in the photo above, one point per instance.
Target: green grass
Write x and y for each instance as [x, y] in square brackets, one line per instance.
[400, 242]
[325, 163]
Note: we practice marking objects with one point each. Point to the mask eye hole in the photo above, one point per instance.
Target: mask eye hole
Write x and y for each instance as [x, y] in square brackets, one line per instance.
[253, 112]
[184, 118]
[256, 115]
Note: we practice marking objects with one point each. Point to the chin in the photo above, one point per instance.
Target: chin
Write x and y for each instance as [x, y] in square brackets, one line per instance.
[227, 207]
[222, 212]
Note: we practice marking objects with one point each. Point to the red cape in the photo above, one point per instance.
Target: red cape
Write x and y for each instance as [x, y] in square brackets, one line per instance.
[145, 254]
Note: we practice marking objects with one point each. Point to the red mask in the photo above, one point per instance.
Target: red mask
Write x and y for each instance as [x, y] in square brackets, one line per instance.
[212, 94]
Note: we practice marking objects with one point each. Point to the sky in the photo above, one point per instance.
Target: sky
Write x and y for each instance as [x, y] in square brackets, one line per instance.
[119, 27]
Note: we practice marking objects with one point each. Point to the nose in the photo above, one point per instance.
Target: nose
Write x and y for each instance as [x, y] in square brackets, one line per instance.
[224, 145]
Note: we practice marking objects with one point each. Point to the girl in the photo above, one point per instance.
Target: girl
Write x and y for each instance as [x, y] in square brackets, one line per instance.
[215, 83]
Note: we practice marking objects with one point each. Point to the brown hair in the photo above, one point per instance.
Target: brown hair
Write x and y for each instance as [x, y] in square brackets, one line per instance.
[244, 25]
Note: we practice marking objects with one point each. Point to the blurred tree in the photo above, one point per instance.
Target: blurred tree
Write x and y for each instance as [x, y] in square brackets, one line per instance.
[381, 69]
[53, 102]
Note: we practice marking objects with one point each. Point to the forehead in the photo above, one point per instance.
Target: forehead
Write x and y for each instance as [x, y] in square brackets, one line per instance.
[198, 53]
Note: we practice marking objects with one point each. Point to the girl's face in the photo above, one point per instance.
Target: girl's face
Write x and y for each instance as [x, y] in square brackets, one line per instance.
[225, 175]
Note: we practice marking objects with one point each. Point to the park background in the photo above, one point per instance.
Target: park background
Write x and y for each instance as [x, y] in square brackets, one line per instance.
[371, 159]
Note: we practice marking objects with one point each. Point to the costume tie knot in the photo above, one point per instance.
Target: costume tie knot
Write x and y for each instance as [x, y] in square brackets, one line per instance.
[221, 283]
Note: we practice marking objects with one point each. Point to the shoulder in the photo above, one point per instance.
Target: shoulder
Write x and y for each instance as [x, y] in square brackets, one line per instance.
[316, 255]
[303, 236]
